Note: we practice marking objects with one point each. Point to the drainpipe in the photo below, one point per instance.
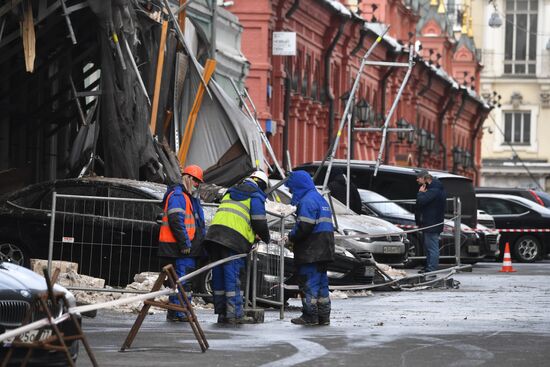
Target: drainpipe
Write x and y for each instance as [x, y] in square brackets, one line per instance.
[458, 112]
[286, 117]
[420, 94]
[287, 90]
[329, 97]
[441, 118]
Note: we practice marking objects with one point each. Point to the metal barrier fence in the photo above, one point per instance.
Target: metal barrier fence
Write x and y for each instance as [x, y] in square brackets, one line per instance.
[452, 239]
[115, 238]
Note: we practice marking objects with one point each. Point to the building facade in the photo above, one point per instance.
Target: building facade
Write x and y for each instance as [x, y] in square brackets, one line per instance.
[516, 55]
[301, 98]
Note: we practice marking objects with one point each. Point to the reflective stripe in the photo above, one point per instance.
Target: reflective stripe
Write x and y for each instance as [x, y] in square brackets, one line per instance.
[324, 300]
[176, 210]
[238, 203]
[258, 217]
[230, 294]
[219, 293]
[313, 301]
[307, 220]
[234, 211]
[315, 221]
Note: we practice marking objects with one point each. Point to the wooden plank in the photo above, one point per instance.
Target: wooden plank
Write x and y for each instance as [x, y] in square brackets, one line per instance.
[29, 40]
[190, 126]
[158, 78]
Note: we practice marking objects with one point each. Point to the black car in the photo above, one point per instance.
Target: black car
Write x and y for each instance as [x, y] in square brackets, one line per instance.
[399, 183]
[18, 287]
[471, 248]
[109, 240]
[522, 223]
[538, 196]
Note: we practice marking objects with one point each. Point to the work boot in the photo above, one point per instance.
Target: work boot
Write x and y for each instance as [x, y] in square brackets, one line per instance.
[323, 321]
[240, 320]
[173, 316]
[222, 319]
[305, 320]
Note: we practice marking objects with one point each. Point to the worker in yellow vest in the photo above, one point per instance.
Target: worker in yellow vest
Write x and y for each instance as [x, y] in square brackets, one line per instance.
[182, 230]
[238, 223]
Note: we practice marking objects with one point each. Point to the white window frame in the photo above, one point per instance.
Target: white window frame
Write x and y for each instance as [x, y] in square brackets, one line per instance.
[499, 145]
[527, 62]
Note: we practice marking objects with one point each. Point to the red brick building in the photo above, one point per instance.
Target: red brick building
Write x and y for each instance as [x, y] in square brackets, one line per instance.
[303, 114]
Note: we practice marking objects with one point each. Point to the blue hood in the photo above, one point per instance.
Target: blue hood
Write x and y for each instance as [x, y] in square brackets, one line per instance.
[299, 183]
[246, 189]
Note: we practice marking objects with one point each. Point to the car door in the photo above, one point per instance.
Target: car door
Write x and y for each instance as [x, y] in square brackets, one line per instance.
[508, 216]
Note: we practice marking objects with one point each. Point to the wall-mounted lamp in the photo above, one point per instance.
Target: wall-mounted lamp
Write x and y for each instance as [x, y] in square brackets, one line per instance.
[495, 21]
[363, 111]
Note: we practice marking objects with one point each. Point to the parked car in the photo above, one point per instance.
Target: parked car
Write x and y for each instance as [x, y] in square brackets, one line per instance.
[485, 219]
[471, 248]
[18, 287]
[386, 242]
[538, 196]
[110, 241]
[522, 223]
[399, 183]
[113, 241]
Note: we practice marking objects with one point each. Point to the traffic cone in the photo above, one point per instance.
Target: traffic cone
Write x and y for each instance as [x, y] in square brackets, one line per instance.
[507, 261]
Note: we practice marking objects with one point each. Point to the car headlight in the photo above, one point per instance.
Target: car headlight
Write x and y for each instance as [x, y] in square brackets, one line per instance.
[361, 236]
[335, 274]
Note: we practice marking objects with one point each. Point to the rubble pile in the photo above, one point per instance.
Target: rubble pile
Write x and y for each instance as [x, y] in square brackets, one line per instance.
[69, 277]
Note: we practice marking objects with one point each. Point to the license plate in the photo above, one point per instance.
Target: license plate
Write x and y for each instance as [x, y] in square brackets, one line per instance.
[473, 249]
[391, 249]
[31, 336]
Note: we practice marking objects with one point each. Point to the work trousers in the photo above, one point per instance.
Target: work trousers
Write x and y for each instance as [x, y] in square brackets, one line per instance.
[431, 249]
[313, 284]
[226, 283]
[183, 266]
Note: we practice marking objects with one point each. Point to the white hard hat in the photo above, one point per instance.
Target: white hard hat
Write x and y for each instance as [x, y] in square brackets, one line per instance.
[260, 175]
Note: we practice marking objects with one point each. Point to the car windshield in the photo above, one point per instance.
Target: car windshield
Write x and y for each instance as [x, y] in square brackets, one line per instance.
[545, 197]
[374, 199]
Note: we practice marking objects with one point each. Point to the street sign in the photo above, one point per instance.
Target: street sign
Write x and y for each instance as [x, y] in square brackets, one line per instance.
[284, 43]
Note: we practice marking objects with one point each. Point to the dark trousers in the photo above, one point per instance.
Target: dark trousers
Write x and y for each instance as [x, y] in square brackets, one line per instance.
[313, 284]
[431, 249]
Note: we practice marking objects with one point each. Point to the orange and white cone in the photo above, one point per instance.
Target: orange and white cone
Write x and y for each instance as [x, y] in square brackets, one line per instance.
[507, 261]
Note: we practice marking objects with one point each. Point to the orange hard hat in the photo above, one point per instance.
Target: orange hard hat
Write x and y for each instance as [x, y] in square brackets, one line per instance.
[194, 171]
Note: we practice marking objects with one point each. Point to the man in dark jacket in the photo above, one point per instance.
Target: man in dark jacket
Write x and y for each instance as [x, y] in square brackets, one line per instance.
[239, 222]
[313, 243]
[338, 189]
[430, 209]
[182, 230]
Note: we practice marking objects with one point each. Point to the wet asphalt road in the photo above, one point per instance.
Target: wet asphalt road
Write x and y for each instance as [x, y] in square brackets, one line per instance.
[493, 319]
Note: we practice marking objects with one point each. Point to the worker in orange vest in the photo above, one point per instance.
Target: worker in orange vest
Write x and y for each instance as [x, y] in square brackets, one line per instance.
[182, 230]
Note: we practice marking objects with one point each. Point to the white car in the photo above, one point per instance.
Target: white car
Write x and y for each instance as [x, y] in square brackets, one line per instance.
[386, 242]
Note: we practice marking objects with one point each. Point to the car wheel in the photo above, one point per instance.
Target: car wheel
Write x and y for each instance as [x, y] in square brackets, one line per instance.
[527, 249]
[14, 253]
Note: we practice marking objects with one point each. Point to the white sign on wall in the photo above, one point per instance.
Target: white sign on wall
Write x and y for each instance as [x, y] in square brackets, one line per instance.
[284, 43]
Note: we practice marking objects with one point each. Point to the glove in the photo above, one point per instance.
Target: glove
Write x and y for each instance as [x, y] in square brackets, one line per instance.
[289, 245]
[186, 251]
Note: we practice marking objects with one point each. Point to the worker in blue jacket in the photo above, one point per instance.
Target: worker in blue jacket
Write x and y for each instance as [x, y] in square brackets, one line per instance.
[430, 214]
[182, 231]
[312, 240]
[239, 222]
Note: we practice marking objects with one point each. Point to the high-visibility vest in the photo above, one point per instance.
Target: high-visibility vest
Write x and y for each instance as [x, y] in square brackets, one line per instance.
[235, 215]
[165, 234]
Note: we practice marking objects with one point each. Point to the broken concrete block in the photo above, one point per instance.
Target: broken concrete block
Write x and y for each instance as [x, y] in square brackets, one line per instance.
[37, 265]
